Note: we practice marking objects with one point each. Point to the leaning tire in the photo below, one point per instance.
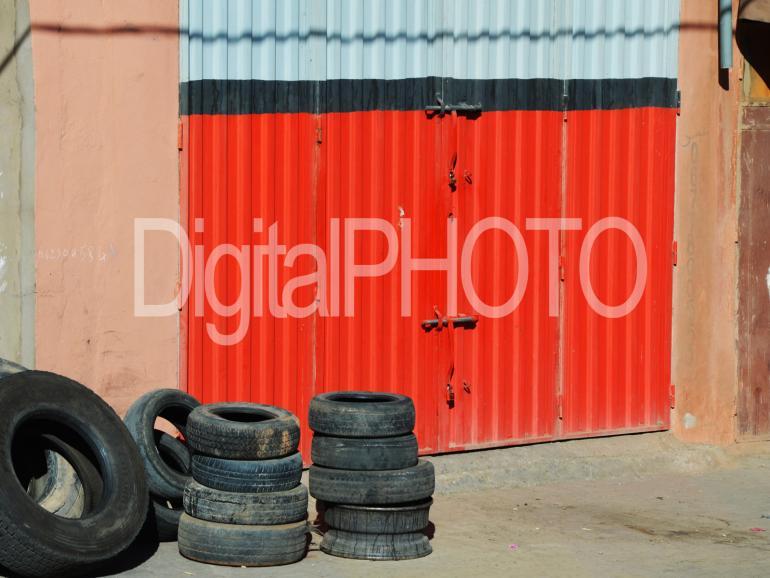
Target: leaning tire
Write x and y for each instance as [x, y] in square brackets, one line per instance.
[373, 488]
[375, 546]
[409, 518]
[240, 545]
[175, 406]
[392, 453]
[165, 513]
[255, 476]
[243, 431]
[264, 509]
[35, 542]
[166, 519]
[361, 414]
[60, 491]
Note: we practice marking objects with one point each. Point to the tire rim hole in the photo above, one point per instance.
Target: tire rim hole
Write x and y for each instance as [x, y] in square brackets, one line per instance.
[57, 469]
[244, 416]
[361, 398]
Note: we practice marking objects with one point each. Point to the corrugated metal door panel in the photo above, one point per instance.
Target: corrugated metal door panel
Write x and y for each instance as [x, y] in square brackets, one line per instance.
[242, 167]
[616, 376]
[393, 157]
[620, 163]
[251, 166]
[508, 166]
[382, 164]
[506, 368]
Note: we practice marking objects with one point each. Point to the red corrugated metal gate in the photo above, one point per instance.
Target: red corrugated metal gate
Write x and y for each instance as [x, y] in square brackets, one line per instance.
[291, 137]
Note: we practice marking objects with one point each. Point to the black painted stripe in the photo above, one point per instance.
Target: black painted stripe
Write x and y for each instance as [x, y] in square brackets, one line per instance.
[265, 97]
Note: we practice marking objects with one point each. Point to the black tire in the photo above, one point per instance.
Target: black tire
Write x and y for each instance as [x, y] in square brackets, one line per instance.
[174, 454]
[375, 546]
[403, 519]
[264, 509]
[59, 490]
[165, 513]
[35, 542]
[166, 519]
[392, 453]
[379, 488]
[361, 414]
[243, 431]
[255, 476]
[164, 481]
[59, 477]
[242, 545]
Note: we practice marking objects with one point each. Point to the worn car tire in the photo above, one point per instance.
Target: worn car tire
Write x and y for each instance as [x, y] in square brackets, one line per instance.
[175, 406]
[378, 488]
[402, 519]
[256, 509]
[276, 475]
[375, 546]
[59, 490]
[165, 519]
[243, 431]
[242, 545]
[35, 542]
[165, 513]
[393, 453]
[361, 414]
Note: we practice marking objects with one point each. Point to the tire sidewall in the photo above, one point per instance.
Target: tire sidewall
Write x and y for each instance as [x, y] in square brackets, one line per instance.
[163, 481]
[117, 519]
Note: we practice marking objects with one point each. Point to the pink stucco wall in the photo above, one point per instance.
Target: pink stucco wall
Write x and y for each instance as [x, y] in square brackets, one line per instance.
[106, 94]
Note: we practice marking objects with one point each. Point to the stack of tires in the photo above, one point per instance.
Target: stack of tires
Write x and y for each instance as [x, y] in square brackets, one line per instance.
[373, 492]
[166, 458]
[245, 505]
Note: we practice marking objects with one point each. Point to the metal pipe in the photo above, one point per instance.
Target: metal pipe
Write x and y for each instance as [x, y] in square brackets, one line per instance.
[725, 33]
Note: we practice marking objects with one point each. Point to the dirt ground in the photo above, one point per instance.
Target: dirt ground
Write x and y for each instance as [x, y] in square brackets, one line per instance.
[712, 522]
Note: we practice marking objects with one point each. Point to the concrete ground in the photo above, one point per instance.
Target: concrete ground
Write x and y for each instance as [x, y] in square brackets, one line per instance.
[626, 506]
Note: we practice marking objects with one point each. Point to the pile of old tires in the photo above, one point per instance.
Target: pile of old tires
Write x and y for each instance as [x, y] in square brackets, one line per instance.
[373, 492]
[166, 457]
[245, 505]
[73, 493]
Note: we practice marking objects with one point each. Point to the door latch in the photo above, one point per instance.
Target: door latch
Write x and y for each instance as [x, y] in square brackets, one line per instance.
[466, 322]
[441, 108]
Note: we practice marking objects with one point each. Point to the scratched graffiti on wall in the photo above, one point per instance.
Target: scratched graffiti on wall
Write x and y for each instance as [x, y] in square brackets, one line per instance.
[97, 254]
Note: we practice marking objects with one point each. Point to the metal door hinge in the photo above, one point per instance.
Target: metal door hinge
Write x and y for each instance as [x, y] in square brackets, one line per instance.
[442, 108]
[180, 136]
[560, 405]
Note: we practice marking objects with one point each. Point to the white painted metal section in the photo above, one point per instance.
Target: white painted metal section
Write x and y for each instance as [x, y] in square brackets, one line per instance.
[392, 39]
